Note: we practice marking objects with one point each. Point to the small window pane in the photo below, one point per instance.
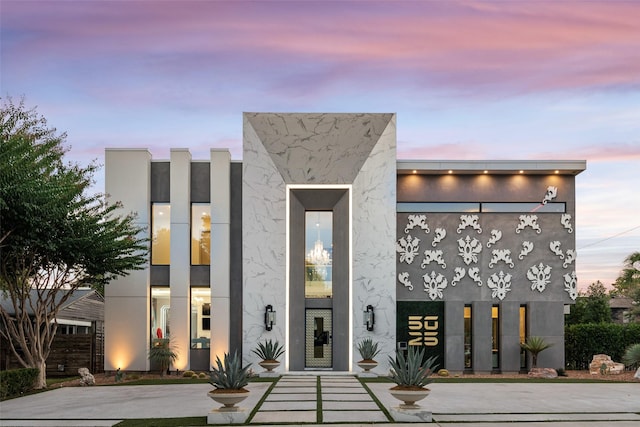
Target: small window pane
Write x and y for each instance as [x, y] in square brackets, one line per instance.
[161, 233]
[200, 234]
[468, 335]
[523, 207]
[438, 207]
[318, 254]
[200, 318]
[495, 335]
[160, 310]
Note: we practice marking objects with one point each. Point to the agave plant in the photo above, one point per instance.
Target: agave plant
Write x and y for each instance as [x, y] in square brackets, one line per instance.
[631, 355]
[535, 345]
[269, 350]
[229, 375]
[368, 349]
[412, 371]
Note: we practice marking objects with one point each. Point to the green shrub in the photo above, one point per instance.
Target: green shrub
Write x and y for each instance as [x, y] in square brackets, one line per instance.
[269, 350]
[229, 375]
[188, 374]
[412, 371]
[585, 340]
[631, 355]
[368, 349]
[17, 381]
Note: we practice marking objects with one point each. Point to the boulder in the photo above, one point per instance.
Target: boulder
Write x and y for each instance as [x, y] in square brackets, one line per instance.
[543, 373]
[601, 364]
[85, 377]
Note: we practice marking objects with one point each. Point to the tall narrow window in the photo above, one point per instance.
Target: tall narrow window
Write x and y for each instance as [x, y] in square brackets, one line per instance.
[160, 309]
[161, 233]
[468, 335]
[200, 234]
[523, 336]
[318, 254]
[495, 336]
[201, 317]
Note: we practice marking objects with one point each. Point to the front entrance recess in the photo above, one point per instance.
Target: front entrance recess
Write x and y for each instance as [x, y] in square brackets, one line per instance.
[318, 339]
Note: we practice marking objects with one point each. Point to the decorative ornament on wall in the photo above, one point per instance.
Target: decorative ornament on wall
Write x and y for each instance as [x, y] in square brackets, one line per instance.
[469, 249]
[565, 220]
[501, 255]
[551, 194]
[417, 221]
[404, 279]
[495, 236]
[434, 284]
[433, 256]
[527, 247]
[474, 273]
[460, 272]
[555, 248]
[569, 258]
[499, 284]
[469, 221]
[539, 276]
[440, 233]
[528, 221]
[407, 247]
[570, 285]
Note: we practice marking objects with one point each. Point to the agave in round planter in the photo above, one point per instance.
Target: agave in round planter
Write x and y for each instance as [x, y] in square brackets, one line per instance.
[269, 351]
[229, 379]
[411, 374]
[368, 349]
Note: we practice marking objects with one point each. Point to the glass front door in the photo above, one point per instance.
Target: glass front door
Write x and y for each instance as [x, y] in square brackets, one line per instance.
[318, 339]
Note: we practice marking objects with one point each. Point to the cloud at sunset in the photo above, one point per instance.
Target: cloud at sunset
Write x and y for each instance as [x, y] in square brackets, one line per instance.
[467, 80]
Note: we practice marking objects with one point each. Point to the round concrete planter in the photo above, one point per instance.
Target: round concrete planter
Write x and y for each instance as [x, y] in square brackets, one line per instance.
[269, 365]
[367, 366]
[409, 397]
[228, 399]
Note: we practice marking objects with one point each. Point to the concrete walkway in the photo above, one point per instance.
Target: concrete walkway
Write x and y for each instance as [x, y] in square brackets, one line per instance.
[341, 399]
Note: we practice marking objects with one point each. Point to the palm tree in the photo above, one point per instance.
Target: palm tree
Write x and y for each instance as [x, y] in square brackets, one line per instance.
[535, 345]
[163, 353]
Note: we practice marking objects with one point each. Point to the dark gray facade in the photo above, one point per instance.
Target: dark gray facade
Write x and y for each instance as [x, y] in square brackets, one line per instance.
[501, 244]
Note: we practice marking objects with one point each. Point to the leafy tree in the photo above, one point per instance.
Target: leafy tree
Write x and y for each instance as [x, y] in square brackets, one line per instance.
[54, 236]
[591, 306]
[628, 283]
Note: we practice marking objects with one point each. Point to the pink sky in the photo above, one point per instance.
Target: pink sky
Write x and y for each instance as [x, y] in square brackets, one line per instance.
[468, 80]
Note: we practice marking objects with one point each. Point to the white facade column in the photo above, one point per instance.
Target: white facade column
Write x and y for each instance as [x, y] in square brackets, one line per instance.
[126, 302]
[180, 264]
[220, 252]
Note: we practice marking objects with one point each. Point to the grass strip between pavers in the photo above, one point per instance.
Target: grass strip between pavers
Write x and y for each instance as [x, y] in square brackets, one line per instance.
[375, 399]
[261, 401]
[319, 416]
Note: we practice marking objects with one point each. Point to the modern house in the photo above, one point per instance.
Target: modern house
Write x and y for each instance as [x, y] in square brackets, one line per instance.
[320, 237]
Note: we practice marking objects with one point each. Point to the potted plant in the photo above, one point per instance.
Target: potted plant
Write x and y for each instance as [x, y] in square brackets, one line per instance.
[411, 374]
[229, 379]
[269, 351]
[535, 345]
[163, 354]
[368, 349]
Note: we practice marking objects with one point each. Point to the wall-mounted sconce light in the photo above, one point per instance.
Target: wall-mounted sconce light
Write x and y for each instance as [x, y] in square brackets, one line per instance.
[369, 318]
[269, 317]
